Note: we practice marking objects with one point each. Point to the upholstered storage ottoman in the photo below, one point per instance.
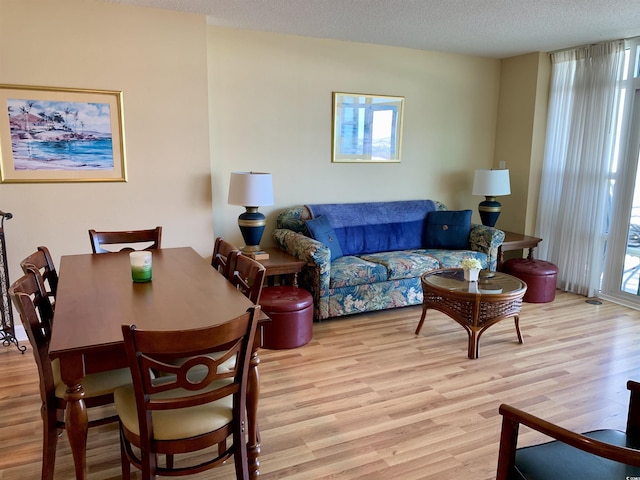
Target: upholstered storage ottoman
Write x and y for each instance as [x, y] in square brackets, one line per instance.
[539, 275]
[291, 312]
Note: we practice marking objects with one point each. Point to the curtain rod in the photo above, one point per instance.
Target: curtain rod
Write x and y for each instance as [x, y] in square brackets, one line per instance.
[590, 44]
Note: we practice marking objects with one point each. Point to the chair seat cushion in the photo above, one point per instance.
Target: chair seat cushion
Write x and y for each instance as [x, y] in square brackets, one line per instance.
[94, 384]
[175, 424]
[559, 461]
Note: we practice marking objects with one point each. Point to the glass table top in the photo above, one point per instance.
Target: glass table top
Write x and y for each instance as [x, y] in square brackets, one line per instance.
[488, 282]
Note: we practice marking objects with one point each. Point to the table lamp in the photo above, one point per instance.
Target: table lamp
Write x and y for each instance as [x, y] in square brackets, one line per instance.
[491, 183]
[251, 190]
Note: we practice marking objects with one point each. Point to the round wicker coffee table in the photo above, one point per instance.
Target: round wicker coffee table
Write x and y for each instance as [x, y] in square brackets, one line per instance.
[474, 305]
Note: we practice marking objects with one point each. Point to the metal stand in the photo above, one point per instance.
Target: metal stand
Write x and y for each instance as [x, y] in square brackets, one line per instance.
[7, 331]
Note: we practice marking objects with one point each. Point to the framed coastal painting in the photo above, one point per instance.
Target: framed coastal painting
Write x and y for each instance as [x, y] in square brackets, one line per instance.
[366, 128]
[50, 134]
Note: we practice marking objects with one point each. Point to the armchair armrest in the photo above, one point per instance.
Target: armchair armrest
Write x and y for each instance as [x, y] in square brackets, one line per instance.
[513, 418]
[633, 416]
[487, 240]
[315, 276]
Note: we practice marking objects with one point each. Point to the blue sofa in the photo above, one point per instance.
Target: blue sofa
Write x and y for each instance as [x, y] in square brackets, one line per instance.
[369, 256]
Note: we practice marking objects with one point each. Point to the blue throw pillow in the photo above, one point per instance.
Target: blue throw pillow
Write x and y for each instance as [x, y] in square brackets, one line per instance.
[448, 229]
[320, 229]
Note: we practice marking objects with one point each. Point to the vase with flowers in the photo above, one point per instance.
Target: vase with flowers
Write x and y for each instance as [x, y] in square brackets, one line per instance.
[471, 268]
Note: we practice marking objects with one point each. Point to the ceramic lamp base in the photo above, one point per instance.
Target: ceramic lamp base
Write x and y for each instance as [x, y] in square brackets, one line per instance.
[252, 225]
[489, 210]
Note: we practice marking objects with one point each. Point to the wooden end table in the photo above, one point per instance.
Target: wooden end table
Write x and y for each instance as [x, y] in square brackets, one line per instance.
[282, 264]
[516, 241]
[474, 305]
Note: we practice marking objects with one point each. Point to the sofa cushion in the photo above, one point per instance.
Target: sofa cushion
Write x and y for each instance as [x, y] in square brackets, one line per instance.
[453, 258]
[320, 229]
[404, 264]
[374, 227]
[448, 229]
[349, 271]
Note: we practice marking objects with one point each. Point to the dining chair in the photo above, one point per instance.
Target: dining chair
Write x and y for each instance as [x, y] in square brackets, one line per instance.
[222, 250]
[40, 261]
[123, 241]
[197, 402]
[36, 312]
[247, 275]
[595, 455]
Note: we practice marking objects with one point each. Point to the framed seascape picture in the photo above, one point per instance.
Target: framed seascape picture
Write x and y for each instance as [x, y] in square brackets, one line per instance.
[50, 134]
[366, 128]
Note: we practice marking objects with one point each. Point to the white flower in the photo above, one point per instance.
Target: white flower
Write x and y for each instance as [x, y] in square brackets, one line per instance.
[469, 263]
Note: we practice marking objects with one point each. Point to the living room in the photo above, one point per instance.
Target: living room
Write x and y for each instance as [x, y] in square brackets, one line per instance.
[202, 101]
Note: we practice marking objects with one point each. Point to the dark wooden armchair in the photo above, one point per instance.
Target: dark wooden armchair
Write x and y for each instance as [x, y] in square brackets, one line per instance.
[187, 396]
[124, 240]
[41, 262]
[36, 312]
[223, 252]
[247, 275]
[595, 455]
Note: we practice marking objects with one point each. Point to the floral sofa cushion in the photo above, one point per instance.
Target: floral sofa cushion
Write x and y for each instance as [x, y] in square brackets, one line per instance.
[350, 270]
[404, 264]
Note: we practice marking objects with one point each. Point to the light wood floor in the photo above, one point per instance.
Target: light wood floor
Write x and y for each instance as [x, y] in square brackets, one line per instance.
[368, 399]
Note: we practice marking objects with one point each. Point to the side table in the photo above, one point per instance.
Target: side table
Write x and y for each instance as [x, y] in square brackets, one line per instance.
[516, 241]
[280, 263]
[290, 308]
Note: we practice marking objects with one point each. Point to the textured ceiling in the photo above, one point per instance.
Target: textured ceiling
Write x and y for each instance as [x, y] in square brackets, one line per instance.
[490, 28]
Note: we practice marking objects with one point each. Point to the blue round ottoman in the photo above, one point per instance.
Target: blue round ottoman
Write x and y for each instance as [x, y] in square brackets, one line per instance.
[291, 312]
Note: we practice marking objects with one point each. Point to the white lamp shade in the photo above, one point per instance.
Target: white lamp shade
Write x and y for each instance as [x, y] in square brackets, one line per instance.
[491, 183]
[250, 189]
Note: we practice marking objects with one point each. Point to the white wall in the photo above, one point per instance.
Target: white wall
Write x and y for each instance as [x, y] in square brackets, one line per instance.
[270, 110]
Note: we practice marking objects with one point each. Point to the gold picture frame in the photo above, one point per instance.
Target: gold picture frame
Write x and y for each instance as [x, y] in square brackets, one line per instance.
[50, 134]
[366, 128]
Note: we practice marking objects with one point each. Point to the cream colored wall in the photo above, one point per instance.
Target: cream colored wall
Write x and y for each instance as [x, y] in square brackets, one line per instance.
[520, 132]
[270, 110]
[158, 60]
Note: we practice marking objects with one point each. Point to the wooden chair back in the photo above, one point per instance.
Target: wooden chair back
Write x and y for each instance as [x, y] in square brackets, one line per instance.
[124, 240]
[247, 275]
[203, 371]
[36, 313]
[40, 261]
[222, 251]
[570, 455]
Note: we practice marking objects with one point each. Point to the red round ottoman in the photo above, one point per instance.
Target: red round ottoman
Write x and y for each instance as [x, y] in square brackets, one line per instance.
[291, 312]
[539, 275]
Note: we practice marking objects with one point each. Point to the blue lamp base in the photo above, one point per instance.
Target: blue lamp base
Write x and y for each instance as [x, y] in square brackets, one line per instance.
[489, 211]
[252, 225]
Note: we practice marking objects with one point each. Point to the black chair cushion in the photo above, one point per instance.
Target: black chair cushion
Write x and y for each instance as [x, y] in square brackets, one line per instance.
[559, 461]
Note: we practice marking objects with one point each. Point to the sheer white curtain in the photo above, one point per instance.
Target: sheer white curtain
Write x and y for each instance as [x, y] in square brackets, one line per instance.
[574, 188]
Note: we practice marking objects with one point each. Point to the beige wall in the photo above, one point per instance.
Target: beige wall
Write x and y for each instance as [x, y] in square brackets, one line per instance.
[270, 110]
[202, 101]
[158, 60]
[520, 133]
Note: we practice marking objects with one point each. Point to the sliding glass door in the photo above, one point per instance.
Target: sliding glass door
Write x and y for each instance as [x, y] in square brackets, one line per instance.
[621, 278]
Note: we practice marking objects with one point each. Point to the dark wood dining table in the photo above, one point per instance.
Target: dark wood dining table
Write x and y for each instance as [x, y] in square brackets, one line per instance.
[96, 295]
